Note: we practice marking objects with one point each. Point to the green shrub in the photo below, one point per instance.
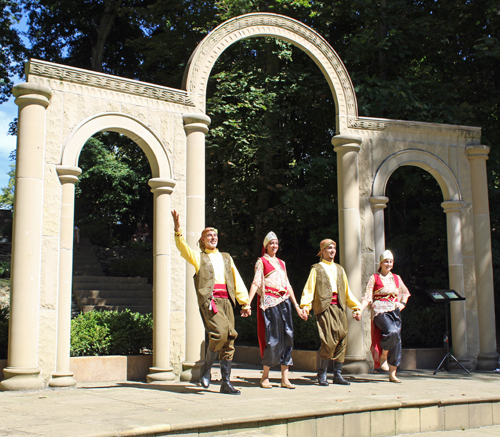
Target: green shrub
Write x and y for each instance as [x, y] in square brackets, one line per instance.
[4, 331]
[111, 333]
[98, 234]
[133, 267]
[4, 269]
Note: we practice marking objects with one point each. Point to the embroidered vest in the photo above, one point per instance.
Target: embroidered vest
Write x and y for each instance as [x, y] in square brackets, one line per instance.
[323, 292]
[269, 268]
[204, 281]
[379, 284]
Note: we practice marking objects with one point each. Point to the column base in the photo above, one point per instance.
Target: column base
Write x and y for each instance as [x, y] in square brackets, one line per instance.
[487, 361]
[160, 374]
[191, 371]
[62, 379]
[21, 378]
[355, 365]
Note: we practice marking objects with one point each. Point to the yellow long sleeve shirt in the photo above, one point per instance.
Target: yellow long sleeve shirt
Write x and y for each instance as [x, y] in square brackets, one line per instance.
[331, 271]
[193, 257]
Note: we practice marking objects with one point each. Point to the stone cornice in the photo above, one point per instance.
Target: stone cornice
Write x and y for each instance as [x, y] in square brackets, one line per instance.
[58, 72]
[384, 124]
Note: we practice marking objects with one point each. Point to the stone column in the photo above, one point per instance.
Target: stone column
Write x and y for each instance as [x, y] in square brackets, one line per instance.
[196, 126]
[453, 209]
[63, 377]
[347, 148]
[22, 371]
[379, 203]
[162, 231]
[488, 357]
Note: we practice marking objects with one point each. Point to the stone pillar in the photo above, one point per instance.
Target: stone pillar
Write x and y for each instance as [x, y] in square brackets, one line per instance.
[347, 148]
[488, 357]
[196, 126]
[63, 377]
[162, 231]
[379, 203]
[22, 371]
[453, 208]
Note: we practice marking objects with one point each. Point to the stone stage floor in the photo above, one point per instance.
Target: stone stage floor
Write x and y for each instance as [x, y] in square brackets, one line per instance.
[370, 406]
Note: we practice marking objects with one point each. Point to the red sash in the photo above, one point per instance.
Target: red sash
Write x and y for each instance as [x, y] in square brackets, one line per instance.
[220, 291]
[335, 299]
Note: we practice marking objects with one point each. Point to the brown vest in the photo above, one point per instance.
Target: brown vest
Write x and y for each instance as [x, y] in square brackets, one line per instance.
[323, 292]
[204, 280]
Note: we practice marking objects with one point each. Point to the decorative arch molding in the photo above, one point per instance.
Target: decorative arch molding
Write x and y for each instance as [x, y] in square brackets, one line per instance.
[246, 26]
[125, 124]
[426, 161]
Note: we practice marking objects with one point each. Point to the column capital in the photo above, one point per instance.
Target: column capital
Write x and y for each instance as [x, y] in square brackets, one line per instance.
[196, 122]
[452, 206]
[32, 93]
[346, 143]
[477, 151]
[161, 185]
[378, 202]
[68, 174]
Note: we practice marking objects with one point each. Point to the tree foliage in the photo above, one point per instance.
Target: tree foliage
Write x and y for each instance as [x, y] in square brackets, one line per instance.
[270, 163]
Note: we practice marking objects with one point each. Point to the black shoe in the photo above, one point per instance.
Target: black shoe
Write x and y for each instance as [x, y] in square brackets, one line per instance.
[226, 387]
[205, 370]
[337, 374]
[322, 372]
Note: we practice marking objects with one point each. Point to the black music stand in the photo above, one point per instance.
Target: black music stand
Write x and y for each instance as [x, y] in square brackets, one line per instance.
[446, 296]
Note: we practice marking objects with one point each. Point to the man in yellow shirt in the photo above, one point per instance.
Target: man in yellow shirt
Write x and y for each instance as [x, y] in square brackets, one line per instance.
[328, 292]
[218, 286]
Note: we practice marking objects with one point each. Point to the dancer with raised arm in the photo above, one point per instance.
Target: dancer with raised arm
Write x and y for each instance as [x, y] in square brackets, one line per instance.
[218, 287]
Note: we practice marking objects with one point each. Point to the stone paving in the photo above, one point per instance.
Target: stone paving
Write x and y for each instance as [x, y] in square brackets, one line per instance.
[138, 409]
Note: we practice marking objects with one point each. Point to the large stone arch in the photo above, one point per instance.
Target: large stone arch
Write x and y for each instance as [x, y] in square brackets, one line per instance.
[272, 25]
[426, 161]
[124, 124]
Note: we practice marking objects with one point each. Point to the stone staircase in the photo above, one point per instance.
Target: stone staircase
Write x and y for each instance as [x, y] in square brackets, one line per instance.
[93, 290]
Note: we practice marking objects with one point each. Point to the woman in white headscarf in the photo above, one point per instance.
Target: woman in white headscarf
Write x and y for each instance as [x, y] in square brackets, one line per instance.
[275, 303]
[387, 295]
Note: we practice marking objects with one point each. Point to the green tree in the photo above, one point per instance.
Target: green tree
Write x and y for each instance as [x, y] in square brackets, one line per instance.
[12, 48]
[112, 194]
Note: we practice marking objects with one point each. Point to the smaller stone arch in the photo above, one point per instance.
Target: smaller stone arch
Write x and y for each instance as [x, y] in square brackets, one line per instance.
[125, 124]
[426, 161]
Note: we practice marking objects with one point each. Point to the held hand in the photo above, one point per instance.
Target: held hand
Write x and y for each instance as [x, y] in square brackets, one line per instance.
[175, 216]
[246, 313]
[305, 314]
[357, 316]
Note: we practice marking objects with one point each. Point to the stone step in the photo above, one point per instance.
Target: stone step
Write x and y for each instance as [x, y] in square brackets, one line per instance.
[134, 309]
[114, 294]
[115, 301]
[110, 286]
[109, 279]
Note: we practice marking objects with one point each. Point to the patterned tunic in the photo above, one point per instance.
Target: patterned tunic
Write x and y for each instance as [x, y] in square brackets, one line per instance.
[384, 299]
[277, 279]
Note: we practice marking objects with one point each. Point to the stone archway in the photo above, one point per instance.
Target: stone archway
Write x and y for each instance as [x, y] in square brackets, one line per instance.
[195, 82]
[284, 28]
[452, 205]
